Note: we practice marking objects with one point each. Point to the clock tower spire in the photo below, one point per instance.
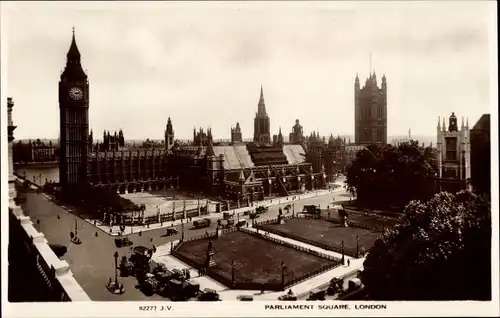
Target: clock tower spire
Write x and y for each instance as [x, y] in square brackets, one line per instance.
[74, 122]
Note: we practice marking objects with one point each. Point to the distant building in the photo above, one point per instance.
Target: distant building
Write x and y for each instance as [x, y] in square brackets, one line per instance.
[454, 154]
[262, 130]
[169, 135]
[202, 138]
[297, 134]
[370, 111]
[236, 135]
[480, 144]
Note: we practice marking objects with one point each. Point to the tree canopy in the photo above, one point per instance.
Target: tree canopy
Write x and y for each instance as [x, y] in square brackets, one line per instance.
[441, 251]
[392, 175]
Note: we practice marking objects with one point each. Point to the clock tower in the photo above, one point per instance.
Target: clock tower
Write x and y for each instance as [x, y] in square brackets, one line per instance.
[74, 121]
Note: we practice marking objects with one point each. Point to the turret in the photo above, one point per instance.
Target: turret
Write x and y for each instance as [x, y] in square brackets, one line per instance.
[453, 123]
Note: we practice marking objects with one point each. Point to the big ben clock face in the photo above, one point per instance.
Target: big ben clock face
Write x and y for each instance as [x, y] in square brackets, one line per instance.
[75, 93]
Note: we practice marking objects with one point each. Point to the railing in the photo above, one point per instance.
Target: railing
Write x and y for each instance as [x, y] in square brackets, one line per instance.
[291, 245]
[294, 237]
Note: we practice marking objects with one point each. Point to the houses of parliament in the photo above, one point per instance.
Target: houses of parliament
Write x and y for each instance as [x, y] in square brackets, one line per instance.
[235, 170]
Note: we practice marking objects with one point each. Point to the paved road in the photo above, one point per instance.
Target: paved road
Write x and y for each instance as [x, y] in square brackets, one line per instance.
[92, 262]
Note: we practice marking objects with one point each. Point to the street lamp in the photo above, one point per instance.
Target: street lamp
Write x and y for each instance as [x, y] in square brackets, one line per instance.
[116, 268]
[233, 281]
[182, 235]
[357, 246]
[343, 257]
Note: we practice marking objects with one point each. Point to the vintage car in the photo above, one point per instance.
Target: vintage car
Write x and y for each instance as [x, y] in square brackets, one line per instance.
[241, 223]
[317, 295]
[202, 223]
[245, 298]
[312, 209]
[123, 242]
[261, 209]
[172, 231]
[209, 295]
[290, 296]
[151, 285]
[126, 267]
[253, 215]
[226, 215]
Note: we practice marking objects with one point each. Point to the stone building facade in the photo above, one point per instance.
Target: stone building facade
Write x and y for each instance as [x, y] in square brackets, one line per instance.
[370, 111]
[454, 154]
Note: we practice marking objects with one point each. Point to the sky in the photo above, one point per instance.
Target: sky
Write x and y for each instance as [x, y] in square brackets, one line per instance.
[202, 64]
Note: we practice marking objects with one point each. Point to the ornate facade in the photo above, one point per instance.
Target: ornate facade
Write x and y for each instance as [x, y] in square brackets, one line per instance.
[453, 146]
[370, 107]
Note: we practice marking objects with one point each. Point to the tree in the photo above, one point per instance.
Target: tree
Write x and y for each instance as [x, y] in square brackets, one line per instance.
[441, 251]
[392, 176]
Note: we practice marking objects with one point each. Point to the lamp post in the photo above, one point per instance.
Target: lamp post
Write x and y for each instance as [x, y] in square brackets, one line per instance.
[233, 281]
[283, 267]
[182, 234]
[342, 246]
[116, 269]
[357, 246]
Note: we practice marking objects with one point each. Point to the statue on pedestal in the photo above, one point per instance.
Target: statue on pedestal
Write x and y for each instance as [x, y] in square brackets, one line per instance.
[210, 262]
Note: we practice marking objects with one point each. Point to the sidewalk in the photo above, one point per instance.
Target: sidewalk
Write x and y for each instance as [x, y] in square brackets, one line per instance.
[115, 230]
[162, 255]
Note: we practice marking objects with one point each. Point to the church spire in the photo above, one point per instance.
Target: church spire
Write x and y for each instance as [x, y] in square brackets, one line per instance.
[73, 52]
[261, 112]
[73, 69]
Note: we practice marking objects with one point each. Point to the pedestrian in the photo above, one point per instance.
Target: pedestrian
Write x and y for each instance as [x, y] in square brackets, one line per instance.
[58, 217]
[262, 288]
[151, 239]
[348, 262]
[38, 221]
[96, 234]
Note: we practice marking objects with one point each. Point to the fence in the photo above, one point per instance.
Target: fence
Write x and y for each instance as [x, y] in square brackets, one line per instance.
[294, 237]
[288, 244]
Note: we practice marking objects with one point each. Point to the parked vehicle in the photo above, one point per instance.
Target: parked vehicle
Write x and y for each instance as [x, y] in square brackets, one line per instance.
[202, 223]
[172, 231]
[354, 284]
[241, 223]
[254, 215]
[123, 242]
[245, 298]
[126, 267]
[209, 295]
[318, 295]
[226, 215]
[261, 209]
[312, 209]
[290, 296]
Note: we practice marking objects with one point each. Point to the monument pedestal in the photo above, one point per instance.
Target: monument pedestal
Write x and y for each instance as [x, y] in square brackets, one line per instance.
[210, 260]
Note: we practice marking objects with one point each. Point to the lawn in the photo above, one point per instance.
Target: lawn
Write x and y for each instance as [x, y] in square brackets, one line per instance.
[321, 232]
[372, 221]
[257, 260]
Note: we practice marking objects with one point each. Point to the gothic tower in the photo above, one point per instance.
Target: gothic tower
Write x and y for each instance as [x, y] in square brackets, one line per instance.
[370, 109]
[169, 135]
[262, 133]
[74, 121]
